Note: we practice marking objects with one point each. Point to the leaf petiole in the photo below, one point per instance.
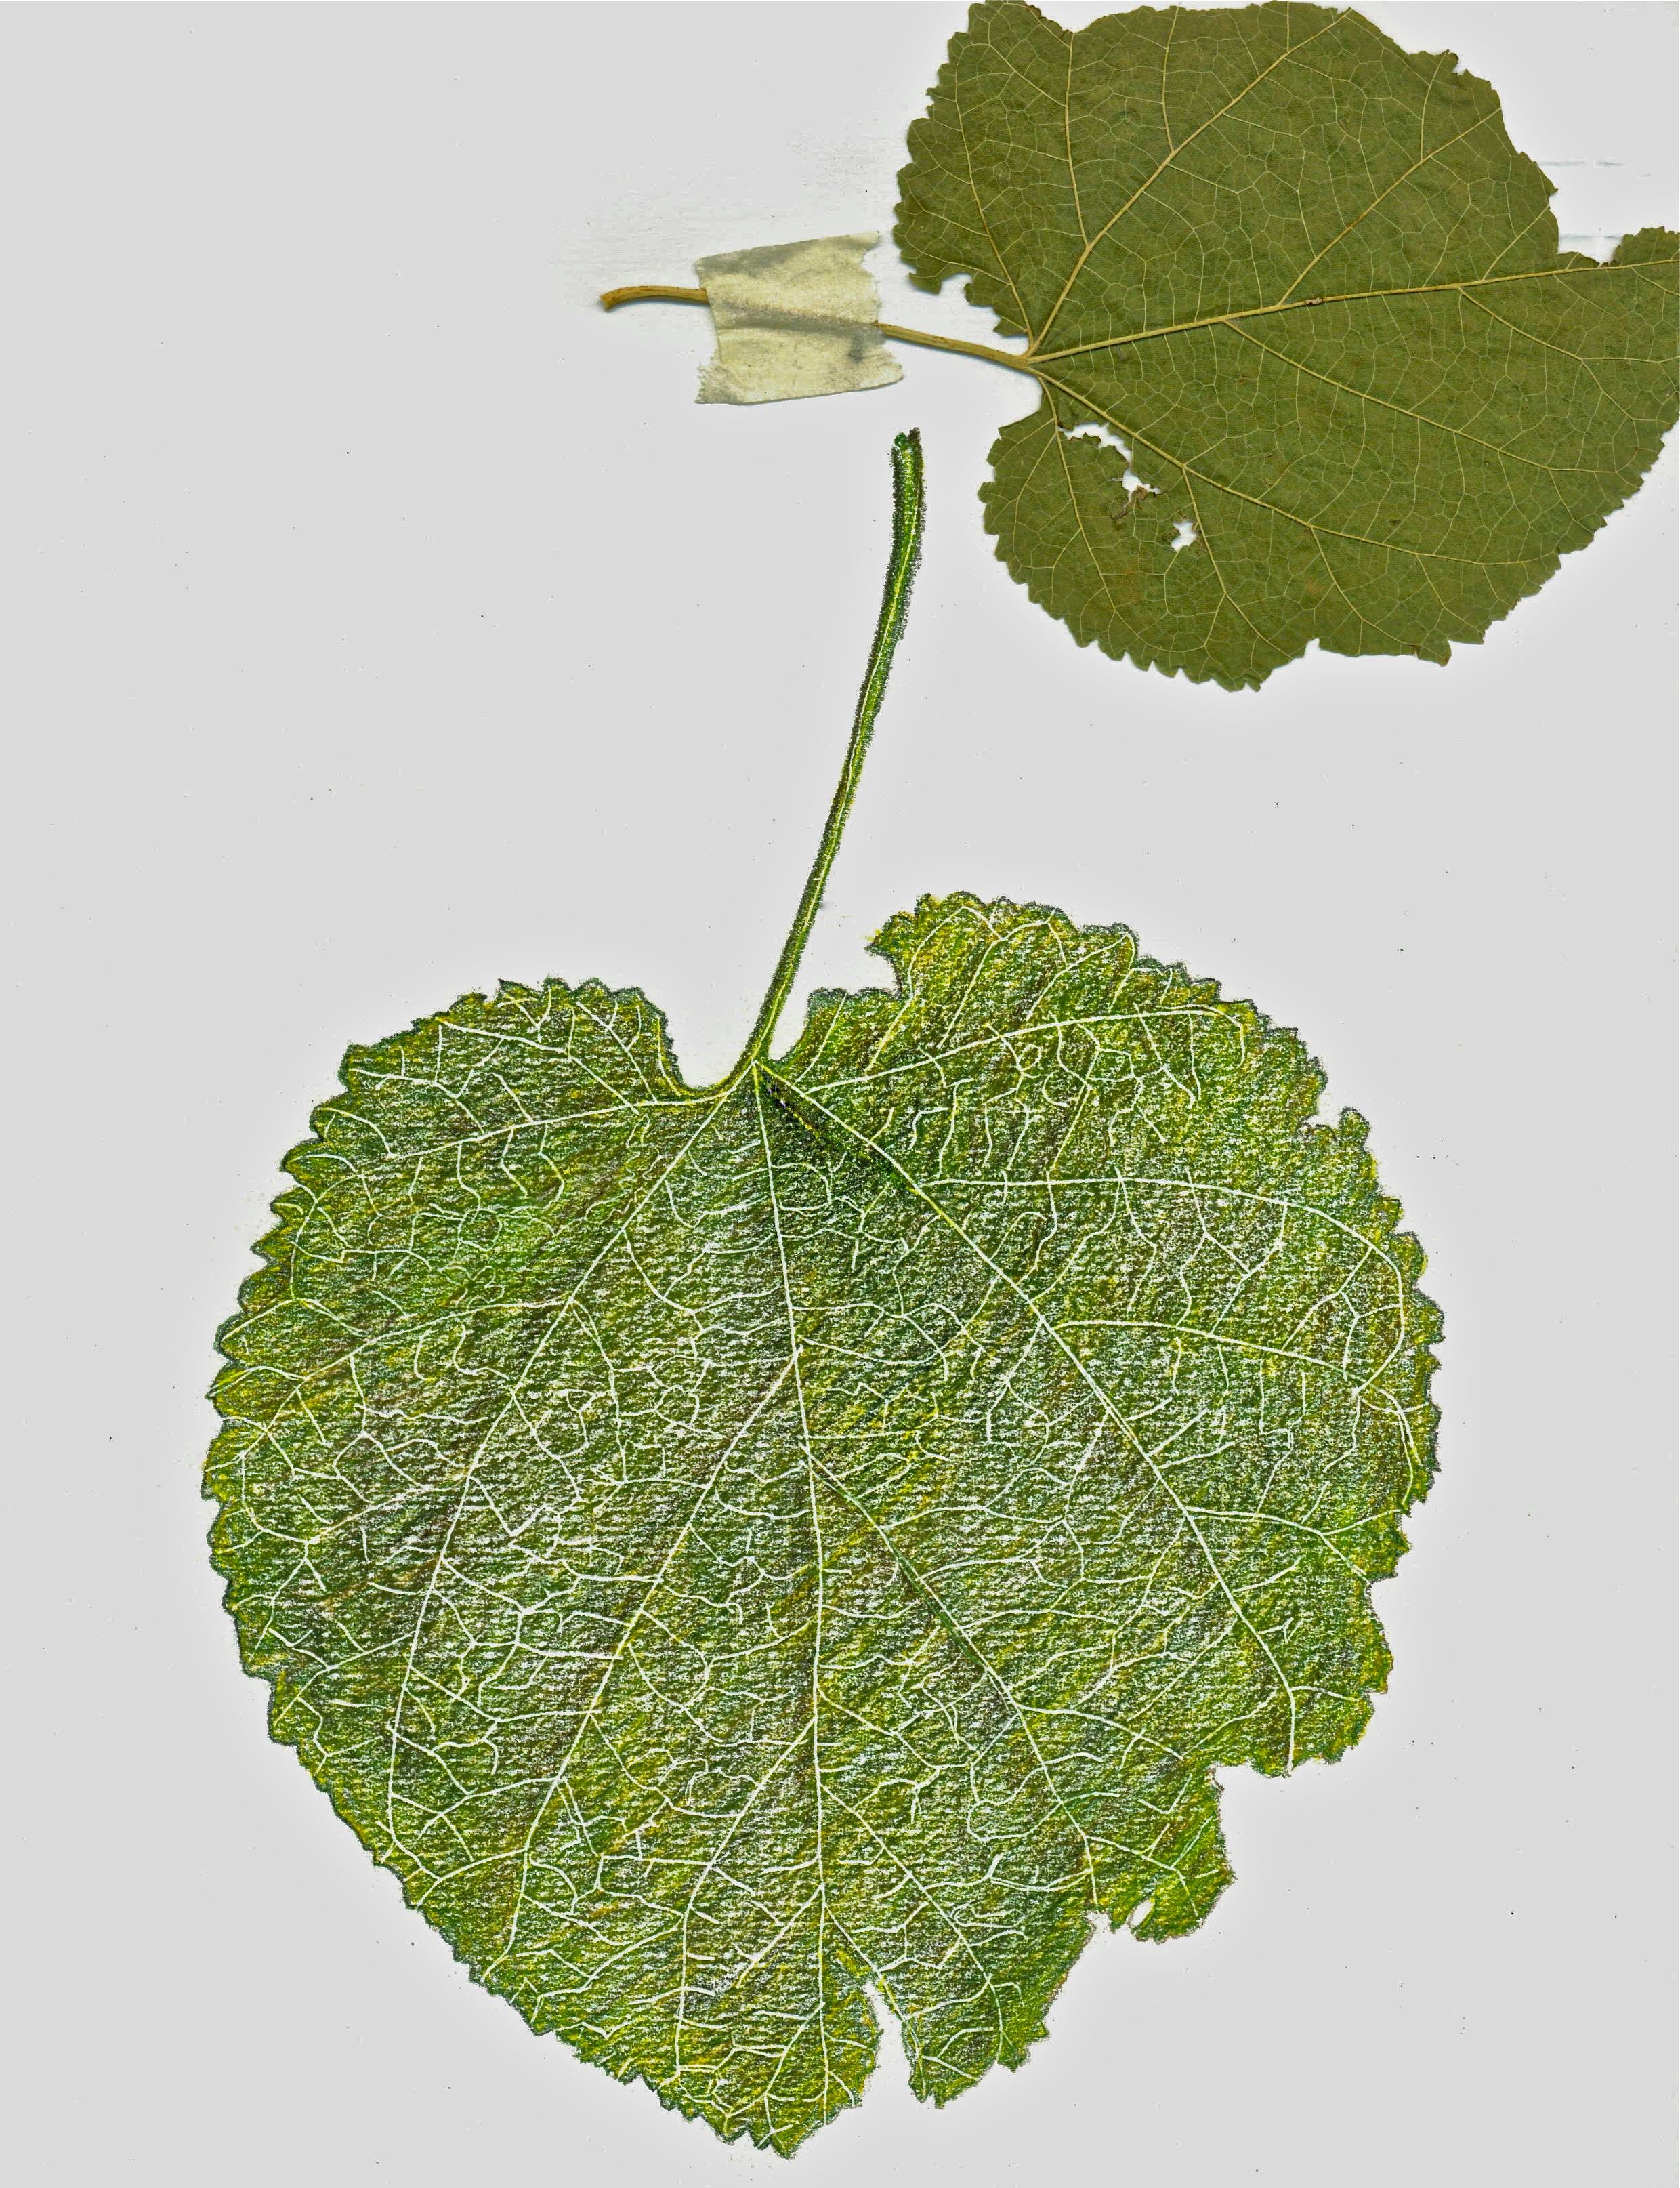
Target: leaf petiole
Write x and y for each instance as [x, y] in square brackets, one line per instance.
[908, 502]
[657, 292]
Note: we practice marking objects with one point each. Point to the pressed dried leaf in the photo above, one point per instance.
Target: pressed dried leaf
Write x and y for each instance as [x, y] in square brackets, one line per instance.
[1305, 284]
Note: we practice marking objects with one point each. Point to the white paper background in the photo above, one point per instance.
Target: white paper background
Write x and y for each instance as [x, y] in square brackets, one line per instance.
[384, 619]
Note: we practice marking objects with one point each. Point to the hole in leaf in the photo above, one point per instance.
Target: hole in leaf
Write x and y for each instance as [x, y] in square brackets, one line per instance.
[1093, 432]
[1185, 535]
[1109, 439]
[1595, 246]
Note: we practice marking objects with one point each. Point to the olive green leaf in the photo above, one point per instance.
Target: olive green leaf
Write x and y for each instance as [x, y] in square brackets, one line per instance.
[1303, 282]
[725, 1551]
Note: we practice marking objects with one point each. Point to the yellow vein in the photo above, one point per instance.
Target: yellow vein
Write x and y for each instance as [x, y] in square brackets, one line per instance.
[1405, 176]
[1079, 265]
[1277, 509]
[980, 207]
[1033, 359]
[1439, 425]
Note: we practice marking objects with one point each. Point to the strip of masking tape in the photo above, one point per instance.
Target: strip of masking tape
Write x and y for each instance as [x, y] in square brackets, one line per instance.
[793, 319]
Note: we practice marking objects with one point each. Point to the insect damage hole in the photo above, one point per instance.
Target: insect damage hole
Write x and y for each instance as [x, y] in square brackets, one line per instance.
[1185, 534]
[1132, 483]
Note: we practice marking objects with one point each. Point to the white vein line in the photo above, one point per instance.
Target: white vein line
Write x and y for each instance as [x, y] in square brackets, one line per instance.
[816, 1542]
[1109, 1408]
[1034, 1029]
[594, 1703]
[948, 1619]
[483, 1443]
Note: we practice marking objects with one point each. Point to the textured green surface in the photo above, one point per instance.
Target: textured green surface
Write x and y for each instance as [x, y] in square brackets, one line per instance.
[724, 1550]
[1306, 280]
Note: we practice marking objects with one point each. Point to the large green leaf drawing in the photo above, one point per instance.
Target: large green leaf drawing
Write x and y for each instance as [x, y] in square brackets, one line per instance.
[1306, 281]
[728, 1549]
[725, 1550]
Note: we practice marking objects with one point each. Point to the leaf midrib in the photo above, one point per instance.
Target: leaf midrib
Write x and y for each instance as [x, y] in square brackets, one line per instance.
[1035, 355]
[1032, 358]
